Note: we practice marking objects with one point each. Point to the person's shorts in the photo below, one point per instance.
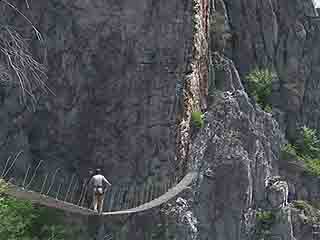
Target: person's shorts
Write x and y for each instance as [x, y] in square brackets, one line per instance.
[98, 191]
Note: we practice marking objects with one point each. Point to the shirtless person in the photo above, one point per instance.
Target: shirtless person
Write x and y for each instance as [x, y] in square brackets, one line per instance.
[98, 183]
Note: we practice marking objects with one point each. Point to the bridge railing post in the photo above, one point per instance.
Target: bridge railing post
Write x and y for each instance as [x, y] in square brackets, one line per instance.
[44, 183]
[53, 180]
[67, 193]
[125, 197]
[112, 193]
[5, 171]
[5, 167]
[25, 177]
[57, 195]
[34, 174]
[84, 196]
[144, 193]
[115, 198]
[73, 191]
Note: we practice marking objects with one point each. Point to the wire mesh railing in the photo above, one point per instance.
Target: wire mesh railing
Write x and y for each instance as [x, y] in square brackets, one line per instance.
[76, 191]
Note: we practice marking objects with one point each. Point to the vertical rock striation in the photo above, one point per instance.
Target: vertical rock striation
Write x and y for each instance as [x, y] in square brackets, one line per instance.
[236, 151]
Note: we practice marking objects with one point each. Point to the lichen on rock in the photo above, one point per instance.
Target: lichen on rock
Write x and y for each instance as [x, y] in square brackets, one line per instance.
[277, 192]
[182, 212]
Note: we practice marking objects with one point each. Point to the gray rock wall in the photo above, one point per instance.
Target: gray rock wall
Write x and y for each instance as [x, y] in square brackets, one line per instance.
[234, 154]
[114, 67]
[282, 36]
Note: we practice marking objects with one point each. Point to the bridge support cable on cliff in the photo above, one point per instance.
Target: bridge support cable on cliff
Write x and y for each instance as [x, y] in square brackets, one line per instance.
[48, 201]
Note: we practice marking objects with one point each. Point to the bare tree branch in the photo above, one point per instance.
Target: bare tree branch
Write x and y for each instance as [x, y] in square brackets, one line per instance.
[27, 4]
[29, 73]
[5, 76]
[38, 34]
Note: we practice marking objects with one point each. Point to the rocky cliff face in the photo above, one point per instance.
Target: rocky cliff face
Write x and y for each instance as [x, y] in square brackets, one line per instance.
[234, 154]
[239, 148]
[127, 76]
[283, 36]
[114, 68]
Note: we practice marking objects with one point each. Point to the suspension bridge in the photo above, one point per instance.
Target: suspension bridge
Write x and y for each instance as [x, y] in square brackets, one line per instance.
[119, 199]
[49, 201]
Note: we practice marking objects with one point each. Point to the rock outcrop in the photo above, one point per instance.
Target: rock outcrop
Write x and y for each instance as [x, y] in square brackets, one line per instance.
[276, 192]
[234, 153]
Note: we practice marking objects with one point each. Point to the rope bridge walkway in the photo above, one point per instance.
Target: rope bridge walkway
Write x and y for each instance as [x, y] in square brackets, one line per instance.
[119, 199]
[48, 201]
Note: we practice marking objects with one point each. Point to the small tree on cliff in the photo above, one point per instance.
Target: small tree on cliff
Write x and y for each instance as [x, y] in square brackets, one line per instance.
[306, 149]
[260, 86]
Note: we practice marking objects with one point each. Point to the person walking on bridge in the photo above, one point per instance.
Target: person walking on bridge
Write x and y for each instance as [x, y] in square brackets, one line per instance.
[98, 183]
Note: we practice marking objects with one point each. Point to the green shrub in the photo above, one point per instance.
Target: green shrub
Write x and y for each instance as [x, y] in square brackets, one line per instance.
[16, 219]
[308, 146]
[289, 149]
[197, 119]
[266, 219]
[268, 108]
[264, 222]
[312, 166]
[260, 86]
[306, 149]
[3, 186]
[312, 214]
[20, 220]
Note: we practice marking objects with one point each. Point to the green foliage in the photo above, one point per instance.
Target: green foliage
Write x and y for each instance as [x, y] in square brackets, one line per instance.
[289, 149]
[306, 149]
[260, 86]
[264, 222]
[3, 186]
[266, 219]
[20, 220]
[313, 166]
[308, 146]
[312, 214]
[197, 119]
[268, 108]
[16, 219]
